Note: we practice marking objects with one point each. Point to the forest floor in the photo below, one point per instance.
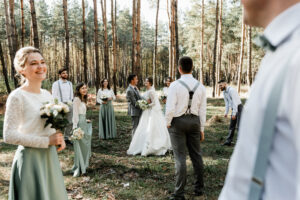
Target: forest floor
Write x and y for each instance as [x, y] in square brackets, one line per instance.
[114, 175]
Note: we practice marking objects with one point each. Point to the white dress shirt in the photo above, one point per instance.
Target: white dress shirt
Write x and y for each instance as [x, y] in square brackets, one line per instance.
[165, 91]
[178, 100]
[232, 100]
[66, 90]
[23, 124]
[109, 93]
[282, 180]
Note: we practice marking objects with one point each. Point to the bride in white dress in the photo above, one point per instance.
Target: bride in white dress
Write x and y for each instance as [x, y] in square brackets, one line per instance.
[151, 136]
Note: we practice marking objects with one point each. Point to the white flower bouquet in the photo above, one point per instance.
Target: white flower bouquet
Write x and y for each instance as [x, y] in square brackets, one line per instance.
[77, 134]
[55, 114]
[142, 104]
[104, 97]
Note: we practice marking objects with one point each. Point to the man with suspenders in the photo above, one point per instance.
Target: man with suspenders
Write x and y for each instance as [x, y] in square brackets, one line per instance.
[62, 90]
[265, 164]
[233, 102]
[186, 116]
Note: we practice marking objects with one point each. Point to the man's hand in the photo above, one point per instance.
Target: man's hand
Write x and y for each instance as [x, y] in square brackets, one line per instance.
[164, 101]
[104, 102]
[149, 101]
[233, 117]
[169, 126]
[225, 116]
[202, 136]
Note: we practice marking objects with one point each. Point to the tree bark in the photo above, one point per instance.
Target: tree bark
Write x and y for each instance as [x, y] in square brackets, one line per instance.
[4, 70]
[170, 41]
[34, 25]
[133, 36]
[249, 69]
[219, 71]
[215, 51]
[113, 25]
[96, 46]
[240, 71]
[106, 47]
[22, 24]
[67, 58]
[85, 65]
[138, 39]
[202, 44]
[155, 44]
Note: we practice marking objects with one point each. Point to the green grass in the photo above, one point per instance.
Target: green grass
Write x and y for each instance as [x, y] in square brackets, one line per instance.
[115, 175]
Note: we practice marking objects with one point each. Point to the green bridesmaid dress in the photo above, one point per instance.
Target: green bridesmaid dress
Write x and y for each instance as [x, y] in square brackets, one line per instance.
[107, 121]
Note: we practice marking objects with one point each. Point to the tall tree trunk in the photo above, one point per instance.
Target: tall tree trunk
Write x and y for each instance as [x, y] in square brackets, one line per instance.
[215, 51]
[202, 44]
[138, 38]
[67, 58]
[96, 45]
[85, 66]
[106, 47]
[219, 71]
[176, 52]
[34, 25]
[170, 41]
[113, 25]
[240, 71]
[22, 24]
[133, 36]
[12, 43]
[155, 44]
[249, 69]
[4, 70]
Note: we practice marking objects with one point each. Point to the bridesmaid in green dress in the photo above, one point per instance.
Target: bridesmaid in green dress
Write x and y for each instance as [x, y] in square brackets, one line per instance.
[107, 121]
[36, 172]
[82, 147]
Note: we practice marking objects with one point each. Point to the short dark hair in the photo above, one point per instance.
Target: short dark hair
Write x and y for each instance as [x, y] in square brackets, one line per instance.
[62, 70]
[150, 80]
[77, 92]
[186, 64]
[102, 85]
[130, 77]
[222, 81]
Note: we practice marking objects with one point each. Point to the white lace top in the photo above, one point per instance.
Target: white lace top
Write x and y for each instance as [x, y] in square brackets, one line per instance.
[110, 93]
[151, 94]
[79, 107]
[22, 122]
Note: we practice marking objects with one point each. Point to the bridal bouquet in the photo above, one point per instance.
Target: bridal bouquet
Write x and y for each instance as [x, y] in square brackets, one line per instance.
[77, 134]
[104, 97]
[55, 114]
[142, 104]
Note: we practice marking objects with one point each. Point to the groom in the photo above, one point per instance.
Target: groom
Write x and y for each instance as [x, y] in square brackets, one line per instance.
[132, 96]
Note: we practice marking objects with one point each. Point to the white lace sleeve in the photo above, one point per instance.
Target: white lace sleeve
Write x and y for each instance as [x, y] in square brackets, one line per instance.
[152, 98]
[99, 96]
[12, 121]
[76, 104]
[113, 96]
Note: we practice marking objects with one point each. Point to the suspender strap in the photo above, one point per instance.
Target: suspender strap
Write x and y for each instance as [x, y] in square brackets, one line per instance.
[191, 93]
[266, 138]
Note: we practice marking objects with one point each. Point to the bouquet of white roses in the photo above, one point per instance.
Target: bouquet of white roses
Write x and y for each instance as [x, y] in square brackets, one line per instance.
[55, 114]
[104, 97]
[77, 134]
[142, 104]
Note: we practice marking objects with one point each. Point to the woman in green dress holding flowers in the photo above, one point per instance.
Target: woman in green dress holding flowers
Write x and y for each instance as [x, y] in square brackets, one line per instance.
[107, 121]
[36, 172]
[82, 147]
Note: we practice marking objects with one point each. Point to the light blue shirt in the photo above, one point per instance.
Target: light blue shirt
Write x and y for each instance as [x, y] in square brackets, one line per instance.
[232, 100]
[282, 180]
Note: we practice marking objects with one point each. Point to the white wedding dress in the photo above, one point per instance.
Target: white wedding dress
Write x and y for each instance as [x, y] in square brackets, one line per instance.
[151, 136]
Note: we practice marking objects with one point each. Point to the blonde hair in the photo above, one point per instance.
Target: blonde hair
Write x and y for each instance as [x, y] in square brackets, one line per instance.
[21, 58]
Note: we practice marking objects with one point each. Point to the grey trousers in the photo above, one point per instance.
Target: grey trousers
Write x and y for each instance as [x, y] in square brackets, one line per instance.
[185, 132]
[135, 122]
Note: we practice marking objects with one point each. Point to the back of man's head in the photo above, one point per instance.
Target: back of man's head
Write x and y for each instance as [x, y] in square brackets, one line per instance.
[186, 64]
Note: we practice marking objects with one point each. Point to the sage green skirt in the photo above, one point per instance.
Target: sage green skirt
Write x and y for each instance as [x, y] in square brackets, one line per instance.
[36, 175]
[82, 148]
[107, 121]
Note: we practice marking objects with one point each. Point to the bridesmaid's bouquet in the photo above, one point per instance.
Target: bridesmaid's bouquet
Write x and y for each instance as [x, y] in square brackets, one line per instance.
[104, 97]
[77, 134]
[142, 104]
[55, 114]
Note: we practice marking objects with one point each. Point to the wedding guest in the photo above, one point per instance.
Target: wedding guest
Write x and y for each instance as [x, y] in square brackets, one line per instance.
[107, 120]
[265, 163]
[186, 116]
[36, 172]
[168, 82]
[62, 90]
[233, 102]
[82, 147]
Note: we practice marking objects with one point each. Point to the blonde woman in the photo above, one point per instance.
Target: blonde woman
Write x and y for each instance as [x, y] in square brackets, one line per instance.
[36, 172]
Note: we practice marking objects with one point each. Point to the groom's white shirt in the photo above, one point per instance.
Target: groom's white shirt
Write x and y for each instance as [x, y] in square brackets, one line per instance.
[178, 98]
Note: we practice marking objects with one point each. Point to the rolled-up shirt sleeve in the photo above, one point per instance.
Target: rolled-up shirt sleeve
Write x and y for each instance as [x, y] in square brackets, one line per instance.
[202, 108]
[170, 105]
[235, 101]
